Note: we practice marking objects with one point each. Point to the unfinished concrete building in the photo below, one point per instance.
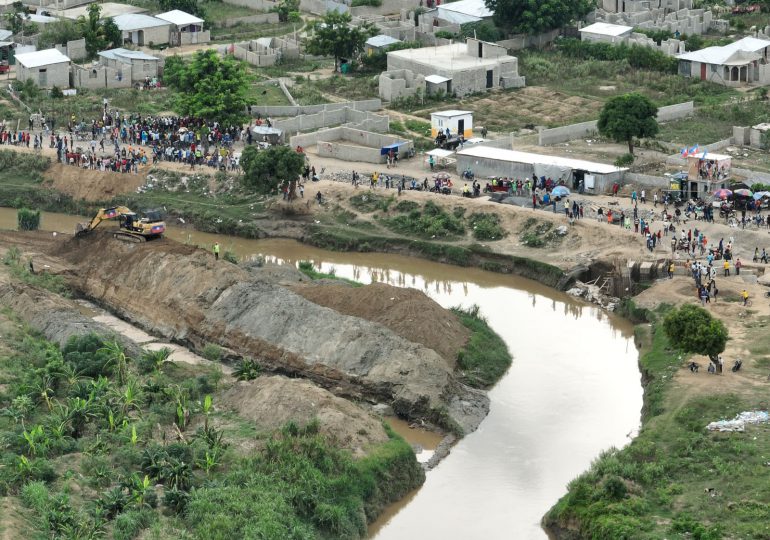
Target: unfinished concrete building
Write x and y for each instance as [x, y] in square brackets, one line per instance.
[473, 66]
[400, 83]
[350, 144]
[266, 51]
[672, 15]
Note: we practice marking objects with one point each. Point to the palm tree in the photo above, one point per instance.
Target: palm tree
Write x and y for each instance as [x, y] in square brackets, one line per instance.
[115, 352]
[93, 30]
[78, 412]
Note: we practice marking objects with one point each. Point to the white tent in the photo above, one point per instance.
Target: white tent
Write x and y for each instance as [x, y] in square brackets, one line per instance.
[464, 11]
[441, 157]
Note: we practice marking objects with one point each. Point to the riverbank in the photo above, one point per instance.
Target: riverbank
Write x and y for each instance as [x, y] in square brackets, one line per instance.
[676, 479]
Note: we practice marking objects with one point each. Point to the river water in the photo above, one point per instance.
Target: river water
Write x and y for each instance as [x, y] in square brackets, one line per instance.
[573, 390]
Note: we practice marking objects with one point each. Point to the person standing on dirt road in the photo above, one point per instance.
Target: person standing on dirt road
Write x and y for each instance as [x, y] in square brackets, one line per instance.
[216, 251]
[727, 268]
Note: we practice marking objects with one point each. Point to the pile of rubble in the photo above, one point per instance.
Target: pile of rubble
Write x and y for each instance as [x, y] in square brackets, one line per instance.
[594, 294]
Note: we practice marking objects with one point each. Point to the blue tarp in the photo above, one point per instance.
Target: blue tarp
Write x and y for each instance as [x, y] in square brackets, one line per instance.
[385, 149]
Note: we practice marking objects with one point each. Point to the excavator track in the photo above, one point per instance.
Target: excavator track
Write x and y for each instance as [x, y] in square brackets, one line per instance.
[128, 237]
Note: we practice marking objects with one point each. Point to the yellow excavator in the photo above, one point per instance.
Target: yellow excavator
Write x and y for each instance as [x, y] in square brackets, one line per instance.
[131, 227]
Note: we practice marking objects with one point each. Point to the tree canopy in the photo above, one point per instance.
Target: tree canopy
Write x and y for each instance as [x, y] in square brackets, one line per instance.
[692, 329]
[264, 170]
[628, 116]
[15, 17]
[536, 16]
[61, 31]
[99, 35]
[210, 87]
[335, 36]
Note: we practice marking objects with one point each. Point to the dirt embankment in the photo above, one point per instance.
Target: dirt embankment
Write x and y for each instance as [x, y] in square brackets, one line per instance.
[270, 402]
[408, 312]
[90, 185]
[181, 293]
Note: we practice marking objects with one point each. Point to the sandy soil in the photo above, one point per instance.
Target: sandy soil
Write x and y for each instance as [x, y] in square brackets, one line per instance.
[91, 185]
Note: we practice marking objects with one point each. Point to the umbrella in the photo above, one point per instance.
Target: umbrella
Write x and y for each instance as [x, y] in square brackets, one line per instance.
[743, 192]
[739, 185]
[722, 193]
[761, 195]
[560, 191]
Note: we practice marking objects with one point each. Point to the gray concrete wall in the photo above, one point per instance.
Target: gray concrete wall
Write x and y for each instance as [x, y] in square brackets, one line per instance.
[55, 75]
[262, 18]
[388, 7]
[100, 77]
[256, 5]
[348, 144]
[524, 41]
[588, 129]
[320, 7]
[288, 110]
[189, 38]
[742, 135]
[655, 182]
[309, 122]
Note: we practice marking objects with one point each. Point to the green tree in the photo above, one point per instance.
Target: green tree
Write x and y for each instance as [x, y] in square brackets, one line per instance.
[536, 16]
[58, 32]
[692, 329]
[99, 35]
[211, 87]
[15, 18]
[264, 170]
[335, 36]
[628, 116]
[284, 8]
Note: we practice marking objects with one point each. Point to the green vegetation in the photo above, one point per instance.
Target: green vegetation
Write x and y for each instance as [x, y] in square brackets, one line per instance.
[371, 202]
[336, 36]
[692, 329]
[537, 234]
[628, 116]
[599, 79]
[265, 170]
[675, 480]
[714, 123]
[29, 220]
[430, 222]
[209, 86]
[637, 56]
[85, 431]
[25, 272]
[100, 34]
[526, 17]
[485, 359]
[486, 227]
[307, 268]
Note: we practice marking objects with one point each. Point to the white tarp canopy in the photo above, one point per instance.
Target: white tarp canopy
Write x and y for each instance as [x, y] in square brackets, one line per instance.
[464, 11]
[553, 171]
[439, 153]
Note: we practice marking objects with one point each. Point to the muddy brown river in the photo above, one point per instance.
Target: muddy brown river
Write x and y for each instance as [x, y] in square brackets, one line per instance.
[573, 390]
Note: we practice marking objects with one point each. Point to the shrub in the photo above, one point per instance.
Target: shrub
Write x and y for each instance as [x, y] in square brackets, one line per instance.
[624, 160]
[29, 220]
[485, 358]
[87, 355]
[129, 524]
[35, 495]
[615, 488]
[230, 256]
[487, 227]
[248, 369]
[56, 93]
[373, 3]
[212, 352]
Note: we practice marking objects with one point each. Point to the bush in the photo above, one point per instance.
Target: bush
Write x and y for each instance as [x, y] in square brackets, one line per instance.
[373, 3]
[485, 358]
[637, 56]
[483, 30]
[624, 160]
[129, 524]
[230, 256]
[56, 93]
[248, 369]
[29, 220]
[486, 227]
[87, 356]
[212, 352]
[35, 495]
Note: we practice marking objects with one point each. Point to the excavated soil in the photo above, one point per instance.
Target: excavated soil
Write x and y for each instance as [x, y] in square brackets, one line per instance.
[270, 402]
[91, 185]
[180, 292]
[410, 313]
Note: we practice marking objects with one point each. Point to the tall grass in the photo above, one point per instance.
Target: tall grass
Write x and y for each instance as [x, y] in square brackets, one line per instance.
[485, 358]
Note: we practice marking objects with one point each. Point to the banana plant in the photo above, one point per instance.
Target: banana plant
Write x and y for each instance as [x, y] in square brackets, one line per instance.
[138, 488]
[43, 387]
[36, 440]
[134, 437]
[206, 408]
[116, 355]
[156, 359]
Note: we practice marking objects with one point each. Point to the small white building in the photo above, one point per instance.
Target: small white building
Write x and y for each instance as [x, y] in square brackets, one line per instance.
[186, 29]
[140, 29]
[601, 32]
[379, 43]
[741, 63]
[46, 68]
[458, 123]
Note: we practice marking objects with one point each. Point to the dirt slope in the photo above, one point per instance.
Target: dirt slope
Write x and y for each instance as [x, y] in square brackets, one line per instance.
[90, 185]
[408, 312]
[181, 293]
[270, 402]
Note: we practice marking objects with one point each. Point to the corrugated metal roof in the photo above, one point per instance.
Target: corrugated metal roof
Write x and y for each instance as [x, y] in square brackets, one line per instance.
[179, 17]
[45, 57]
[723, 55]
[137, 21]
[4, 34]
[464, 11]
[606, 29]
[126, 54]
[513, 156]
[381, 41]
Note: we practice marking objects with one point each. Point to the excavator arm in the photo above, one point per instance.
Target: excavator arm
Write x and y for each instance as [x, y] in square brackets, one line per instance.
[102, 215]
